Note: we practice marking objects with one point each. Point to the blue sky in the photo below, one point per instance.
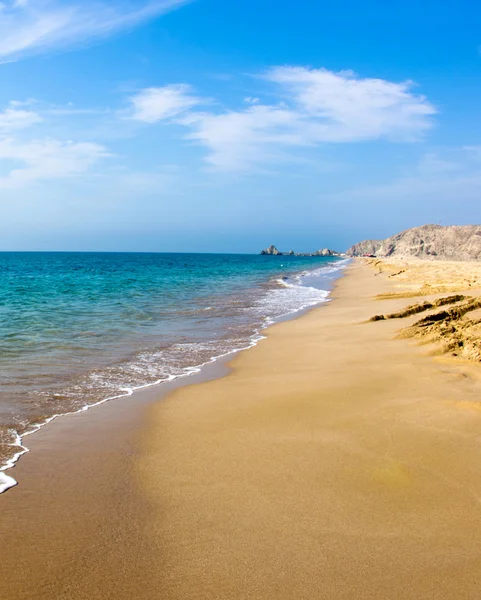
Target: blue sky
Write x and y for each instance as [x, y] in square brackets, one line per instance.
[218, 126]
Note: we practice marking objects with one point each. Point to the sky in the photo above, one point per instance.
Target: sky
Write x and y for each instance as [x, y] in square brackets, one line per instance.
[215, 126]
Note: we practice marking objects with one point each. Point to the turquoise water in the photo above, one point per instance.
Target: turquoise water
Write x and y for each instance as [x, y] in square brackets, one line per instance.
[77, 328]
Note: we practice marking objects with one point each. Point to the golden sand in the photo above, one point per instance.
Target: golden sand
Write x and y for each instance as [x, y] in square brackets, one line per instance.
[417, 277]
[453, 322]
[335, 462]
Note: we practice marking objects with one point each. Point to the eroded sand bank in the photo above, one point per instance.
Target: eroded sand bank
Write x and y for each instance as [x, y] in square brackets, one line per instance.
[334, 462]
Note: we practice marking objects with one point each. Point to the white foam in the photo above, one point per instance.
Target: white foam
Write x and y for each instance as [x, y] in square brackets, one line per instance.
[6, 482]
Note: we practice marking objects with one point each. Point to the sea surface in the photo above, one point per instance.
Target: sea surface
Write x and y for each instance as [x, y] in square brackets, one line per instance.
[77, 329]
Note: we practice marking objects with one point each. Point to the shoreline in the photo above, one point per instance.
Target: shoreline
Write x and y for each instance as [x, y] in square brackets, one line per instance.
[303, 473]
[7, 481]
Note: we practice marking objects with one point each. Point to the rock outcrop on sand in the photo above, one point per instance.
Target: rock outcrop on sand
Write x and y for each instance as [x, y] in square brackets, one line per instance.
[453, 242]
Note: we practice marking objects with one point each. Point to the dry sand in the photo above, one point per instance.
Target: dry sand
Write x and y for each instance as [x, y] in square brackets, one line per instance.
[334, 462]
[417, 277]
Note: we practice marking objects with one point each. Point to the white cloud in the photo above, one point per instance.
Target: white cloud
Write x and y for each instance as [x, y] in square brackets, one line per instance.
[14, 118]
[345, 107]
[38, 25]
[24, 159]
[19, 103]
[238, 140]
[160, 103]
[26, 162]
[313, 107]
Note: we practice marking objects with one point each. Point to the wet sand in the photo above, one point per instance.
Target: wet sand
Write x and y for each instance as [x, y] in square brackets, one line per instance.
[333, 462]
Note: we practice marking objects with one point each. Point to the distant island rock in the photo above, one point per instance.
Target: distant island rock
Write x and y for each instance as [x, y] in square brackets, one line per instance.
[452, 242]
[325, 252]
[273, 251]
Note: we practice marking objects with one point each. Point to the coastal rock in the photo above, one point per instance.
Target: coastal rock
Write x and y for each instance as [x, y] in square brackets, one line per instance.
[452, 242]
[365, 248]
[271, 250]
[326, 252]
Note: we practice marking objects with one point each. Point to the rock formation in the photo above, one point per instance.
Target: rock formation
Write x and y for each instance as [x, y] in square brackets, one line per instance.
[365, 248]
[271, 250]
[453, 242]
[326, 252]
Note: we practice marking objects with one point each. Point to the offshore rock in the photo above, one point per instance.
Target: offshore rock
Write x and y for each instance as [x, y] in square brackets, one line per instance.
[326, 252]
[272, 250]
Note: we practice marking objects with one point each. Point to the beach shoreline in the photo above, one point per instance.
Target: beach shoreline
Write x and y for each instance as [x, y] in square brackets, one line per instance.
[203, 370]
[328, 463]
[39, 399]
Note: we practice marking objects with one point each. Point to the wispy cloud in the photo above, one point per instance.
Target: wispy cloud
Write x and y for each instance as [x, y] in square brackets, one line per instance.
[345, 107]
[16, 118]
[159, 103]
[313, 107]
[25, 159]
[27, 162]
[29, 26]
[238, 140]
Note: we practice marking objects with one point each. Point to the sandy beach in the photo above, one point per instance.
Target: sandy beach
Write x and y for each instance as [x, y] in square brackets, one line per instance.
[334, 461]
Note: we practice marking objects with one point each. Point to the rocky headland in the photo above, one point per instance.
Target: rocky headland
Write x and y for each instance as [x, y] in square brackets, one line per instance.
[434, 242]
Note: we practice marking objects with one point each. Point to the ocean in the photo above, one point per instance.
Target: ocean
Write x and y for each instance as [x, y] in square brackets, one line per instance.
[78, 329]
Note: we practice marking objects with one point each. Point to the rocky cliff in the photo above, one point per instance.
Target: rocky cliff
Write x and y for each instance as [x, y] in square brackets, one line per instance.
[453, 242]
